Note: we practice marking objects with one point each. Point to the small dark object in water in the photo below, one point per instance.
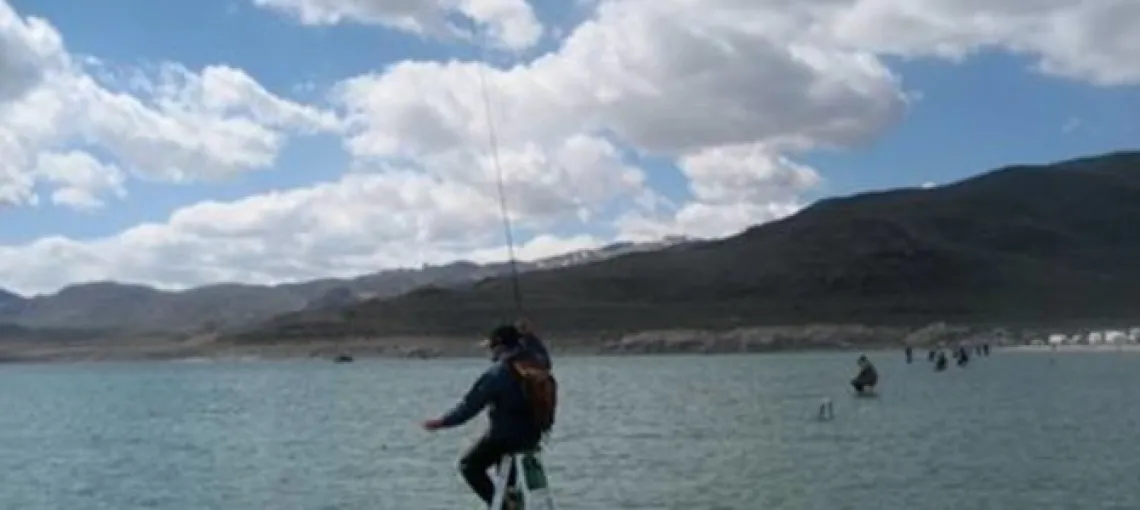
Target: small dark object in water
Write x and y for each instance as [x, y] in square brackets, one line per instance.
[909, 354]
[940, 364]
[985, 349]
[826, 410]
[931, 355]
[343, 358]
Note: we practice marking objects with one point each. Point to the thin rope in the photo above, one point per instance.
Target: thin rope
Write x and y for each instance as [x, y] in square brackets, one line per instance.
[493, 139]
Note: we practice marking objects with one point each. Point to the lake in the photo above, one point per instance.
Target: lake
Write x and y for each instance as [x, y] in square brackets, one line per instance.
[1011, 431]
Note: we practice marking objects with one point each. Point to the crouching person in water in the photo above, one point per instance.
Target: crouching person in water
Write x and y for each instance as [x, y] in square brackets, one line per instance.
[868, 377]
[521, 396]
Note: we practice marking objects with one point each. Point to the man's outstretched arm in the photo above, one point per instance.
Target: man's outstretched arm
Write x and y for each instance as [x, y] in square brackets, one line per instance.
[473, 402]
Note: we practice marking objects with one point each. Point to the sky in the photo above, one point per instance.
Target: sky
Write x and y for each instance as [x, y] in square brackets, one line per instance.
[177, 143]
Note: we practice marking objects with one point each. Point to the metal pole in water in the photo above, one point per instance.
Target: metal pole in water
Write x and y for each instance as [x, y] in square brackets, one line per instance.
[826, 411]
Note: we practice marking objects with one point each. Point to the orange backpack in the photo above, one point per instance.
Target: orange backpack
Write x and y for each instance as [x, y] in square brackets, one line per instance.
[541, 391]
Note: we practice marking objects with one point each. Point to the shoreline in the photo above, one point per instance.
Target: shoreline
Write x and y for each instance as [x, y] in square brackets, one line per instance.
[328, 353]
[1074, 348]
[746, 340]
[422, 349]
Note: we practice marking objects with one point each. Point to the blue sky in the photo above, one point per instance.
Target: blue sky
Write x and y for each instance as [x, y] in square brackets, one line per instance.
[991, 109]
[987, 112]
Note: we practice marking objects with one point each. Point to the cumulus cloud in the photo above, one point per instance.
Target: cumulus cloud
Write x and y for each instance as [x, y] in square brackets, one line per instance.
[357, 223]
[80, 179]
[733, 187]
[731, 92]
[184, 126]
[510, 24]
[1090, 40]
[669, 78]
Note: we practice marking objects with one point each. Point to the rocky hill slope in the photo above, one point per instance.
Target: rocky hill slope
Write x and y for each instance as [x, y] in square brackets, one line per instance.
[1022, 244]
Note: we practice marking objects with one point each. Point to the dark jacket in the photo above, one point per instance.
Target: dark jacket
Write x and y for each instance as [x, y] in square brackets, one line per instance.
[868, 376]
[512, 421]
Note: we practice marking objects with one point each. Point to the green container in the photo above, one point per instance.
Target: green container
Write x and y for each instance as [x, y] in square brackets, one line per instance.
[534, 475]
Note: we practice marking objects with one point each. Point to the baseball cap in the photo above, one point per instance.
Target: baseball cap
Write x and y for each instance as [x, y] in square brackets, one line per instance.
[505, 335]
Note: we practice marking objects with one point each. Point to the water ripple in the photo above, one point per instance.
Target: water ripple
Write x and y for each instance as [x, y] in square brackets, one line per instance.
[699, 433]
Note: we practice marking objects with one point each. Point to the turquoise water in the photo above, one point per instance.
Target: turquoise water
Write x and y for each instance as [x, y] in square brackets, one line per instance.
[1012, 431]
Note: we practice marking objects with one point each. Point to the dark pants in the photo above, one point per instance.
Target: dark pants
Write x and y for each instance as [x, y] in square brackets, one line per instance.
[860, 385]
[481, 457]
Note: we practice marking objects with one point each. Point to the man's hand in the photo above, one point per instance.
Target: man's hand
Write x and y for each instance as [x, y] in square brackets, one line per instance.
[433, 424]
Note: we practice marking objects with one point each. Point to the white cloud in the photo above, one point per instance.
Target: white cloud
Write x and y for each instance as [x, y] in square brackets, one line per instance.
[353, 225]
[538, 247]
[79, 178]
[745, 174]
[1089, 40]
[667, 77]
[732, 91]
[208, 125]
[27, 47]
[673, 76]
[16, 185]
[509, 24]
[658, 74]
[733, 188]
[183, 126]
[702, 220]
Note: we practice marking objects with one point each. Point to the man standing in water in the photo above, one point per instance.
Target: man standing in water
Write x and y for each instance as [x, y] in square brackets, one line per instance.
[521, 395]
[940, 362]
[868, 377]
[963, 356]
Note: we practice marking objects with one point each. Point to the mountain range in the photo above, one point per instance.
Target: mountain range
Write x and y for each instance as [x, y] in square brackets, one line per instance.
[116, 309]
[1029, 244]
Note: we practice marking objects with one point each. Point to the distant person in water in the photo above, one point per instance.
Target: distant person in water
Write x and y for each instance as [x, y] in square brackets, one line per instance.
[520, 397]
[868, 377]
[940, 362]
[909, 354]
[963, 356]
[531, 342]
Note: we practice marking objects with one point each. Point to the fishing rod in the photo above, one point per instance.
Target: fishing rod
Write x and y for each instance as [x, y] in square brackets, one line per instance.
[493, 141]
